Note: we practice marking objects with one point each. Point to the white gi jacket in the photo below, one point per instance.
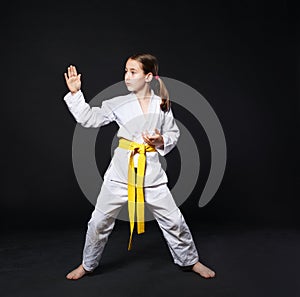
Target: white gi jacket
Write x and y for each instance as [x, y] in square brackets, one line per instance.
[126, 111]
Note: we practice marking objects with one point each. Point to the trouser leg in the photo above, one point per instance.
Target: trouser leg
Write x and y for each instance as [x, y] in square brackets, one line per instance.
[172, 224]
[109, 203]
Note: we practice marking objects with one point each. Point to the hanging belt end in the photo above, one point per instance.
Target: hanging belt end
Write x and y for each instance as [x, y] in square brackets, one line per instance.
[141, 228]
[130, 243]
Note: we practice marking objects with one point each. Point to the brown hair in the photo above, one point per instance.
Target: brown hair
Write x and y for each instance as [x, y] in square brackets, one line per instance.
[150, 64]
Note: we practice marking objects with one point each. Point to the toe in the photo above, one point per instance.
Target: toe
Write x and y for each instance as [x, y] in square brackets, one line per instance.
[211, 273]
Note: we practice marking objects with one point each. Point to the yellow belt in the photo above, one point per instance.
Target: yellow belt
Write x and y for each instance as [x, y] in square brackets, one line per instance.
[137, 184]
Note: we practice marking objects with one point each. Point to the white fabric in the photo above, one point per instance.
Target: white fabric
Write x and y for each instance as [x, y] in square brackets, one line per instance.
[159, 200]
[127, 113]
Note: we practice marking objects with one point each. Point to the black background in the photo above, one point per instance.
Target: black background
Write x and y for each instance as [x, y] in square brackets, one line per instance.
[241, 56]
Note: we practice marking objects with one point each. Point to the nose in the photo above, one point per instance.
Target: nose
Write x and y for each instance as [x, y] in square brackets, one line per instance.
[127, 76]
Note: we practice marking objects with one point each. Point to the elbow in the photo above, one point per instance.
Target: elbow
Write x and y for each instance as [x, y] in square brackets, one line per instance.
[176, 137]
[89, 124]
[88, 121]
[85, 125]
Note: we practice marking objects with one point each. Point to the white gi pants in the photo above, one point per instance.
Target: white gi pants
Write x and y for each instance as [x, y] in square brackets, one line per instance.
[159, 200]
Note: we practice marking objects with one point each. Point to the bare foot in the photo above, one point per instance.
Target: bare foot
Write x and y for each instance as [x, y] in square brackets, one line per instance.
[203, 270]
[77, 273]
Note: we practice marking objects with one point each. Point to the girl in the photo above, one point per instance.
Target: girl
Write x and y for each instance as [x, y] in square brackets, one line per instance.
[135, 174]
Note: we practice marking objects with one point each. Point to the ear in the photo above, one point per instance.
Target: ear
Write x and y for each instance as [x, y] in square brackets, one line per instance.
[148, 77]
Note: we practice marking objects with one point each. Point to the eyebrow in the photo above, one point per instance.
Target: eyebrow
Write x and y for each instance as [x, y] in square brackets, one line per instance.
[131, 68]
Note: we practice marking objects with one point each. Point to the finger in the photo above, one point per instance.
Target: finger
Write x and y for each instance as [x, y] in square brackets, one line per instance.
[151, 141]
[153, 138]
[146, 140]
[74, 70]
[66, 77]
[69, 71]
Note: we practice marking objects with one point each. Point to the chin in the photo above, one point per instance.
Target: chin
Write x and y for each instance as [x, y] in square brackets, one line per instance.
[130, 88]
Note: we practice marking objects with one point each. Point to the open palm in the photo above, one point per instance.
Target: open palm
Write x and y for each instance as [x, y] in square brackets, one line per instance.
[73, 79]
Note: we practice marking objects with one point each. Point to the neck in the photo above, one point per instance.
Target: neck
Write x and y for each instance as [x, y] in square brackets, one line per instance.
[143, 94]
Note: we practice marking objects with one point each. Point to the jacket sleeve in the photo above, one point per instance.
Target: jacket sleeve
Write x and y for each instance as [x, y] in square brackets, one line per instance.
[86, 115]
[170, 133]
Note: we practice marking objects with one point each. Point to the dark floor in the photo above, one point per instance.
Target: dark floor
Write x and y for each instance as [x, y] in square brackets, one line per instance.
[249, 261]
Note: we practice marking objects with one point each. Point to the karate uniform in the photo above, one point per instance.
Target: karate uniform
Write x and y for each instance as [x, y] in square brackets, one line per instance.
[126, 111]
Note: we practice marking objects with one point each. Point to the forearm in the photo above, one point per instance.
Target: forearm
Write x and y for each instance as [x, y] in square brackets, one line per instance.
[84, 114]
[170, 134]
[169, 142]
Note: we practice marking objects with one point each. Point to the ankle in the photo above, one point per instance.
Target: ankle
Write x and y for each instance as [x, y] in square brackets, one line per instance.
[86, 271]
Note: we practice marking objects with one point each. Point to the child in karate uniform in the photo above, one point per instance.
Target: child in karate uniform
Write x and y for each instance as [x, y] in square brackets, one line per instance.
[135, 175]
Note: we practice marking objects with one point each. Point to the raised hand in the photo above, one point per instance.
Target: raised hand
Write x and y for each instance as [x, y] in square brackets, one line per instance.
[73, 79]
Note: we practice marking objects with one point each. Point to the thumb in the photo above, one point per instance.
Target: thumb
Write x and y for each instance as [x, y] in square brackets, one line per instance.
[157, 131]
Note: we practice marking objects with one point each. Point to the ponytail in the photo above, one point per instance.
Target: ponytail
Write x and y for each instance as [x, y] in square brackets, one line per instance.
[164, 95]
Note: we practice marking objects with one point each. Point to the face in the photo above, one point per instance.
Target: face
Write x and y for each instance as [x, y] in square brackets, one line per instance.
[135, 78]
